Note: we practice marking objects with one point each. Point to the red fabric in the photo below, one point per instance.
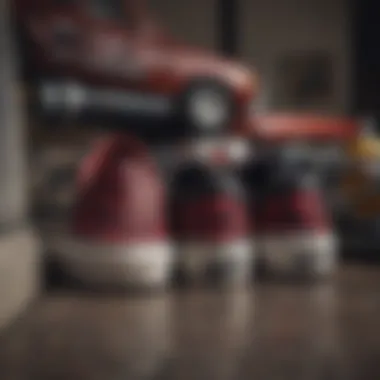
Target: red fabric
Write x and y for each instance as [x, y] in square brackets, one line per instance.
[300, 210]
[211, 218]
[120, 195]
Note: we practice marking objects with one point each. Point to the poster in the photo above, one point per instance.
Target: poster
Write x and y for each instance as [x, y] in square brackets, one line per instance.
[304, 81]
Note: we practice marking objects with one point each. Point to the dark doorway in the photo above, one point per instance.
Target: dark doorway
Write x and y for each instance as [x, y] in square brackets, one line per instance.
[228, 26]
[366, 55]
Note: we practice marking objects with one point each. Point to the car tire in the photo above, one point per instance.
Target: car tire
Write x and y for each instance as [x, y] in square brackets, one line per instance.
[206, 109]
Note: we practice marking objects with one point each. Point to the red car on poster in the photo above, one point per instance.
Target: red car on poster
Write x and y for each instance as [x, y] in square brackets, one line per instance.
[96, 58]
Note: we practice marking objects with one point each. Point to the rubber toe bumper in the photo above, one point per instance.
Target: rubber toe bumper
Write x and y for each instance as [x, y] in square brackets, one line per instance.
[145, 265]
[300, 254]
[228, 263]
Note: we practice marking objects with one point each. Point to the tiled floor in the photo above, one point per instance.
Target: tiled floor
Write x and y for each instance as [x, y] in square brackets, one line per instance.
[270, 332]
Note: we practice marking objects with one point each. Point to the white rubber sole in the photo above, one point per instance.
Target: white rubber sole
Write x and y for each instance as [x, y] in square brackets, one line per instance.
[235, 259]
[300, 253]
[140, 265]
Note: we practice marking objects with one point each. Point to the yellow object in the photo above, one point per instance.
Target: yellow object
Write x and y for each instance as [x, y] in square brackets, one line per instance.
[365, 148]
[359, 187]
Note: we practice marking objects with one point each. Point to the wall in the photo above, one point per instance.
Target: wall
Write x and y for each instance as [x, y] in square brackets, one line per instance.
[192, 21]
[19, 247]
[270, 28]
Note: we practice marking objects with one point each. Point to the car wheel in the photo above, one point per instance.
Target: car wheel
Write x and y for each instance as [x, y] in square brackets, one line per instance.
[206, 109]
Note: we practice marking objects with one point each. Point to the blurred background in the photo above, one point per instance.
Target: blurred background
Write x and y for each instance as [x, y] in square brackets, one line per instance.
[318, 73]
[312, 57]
